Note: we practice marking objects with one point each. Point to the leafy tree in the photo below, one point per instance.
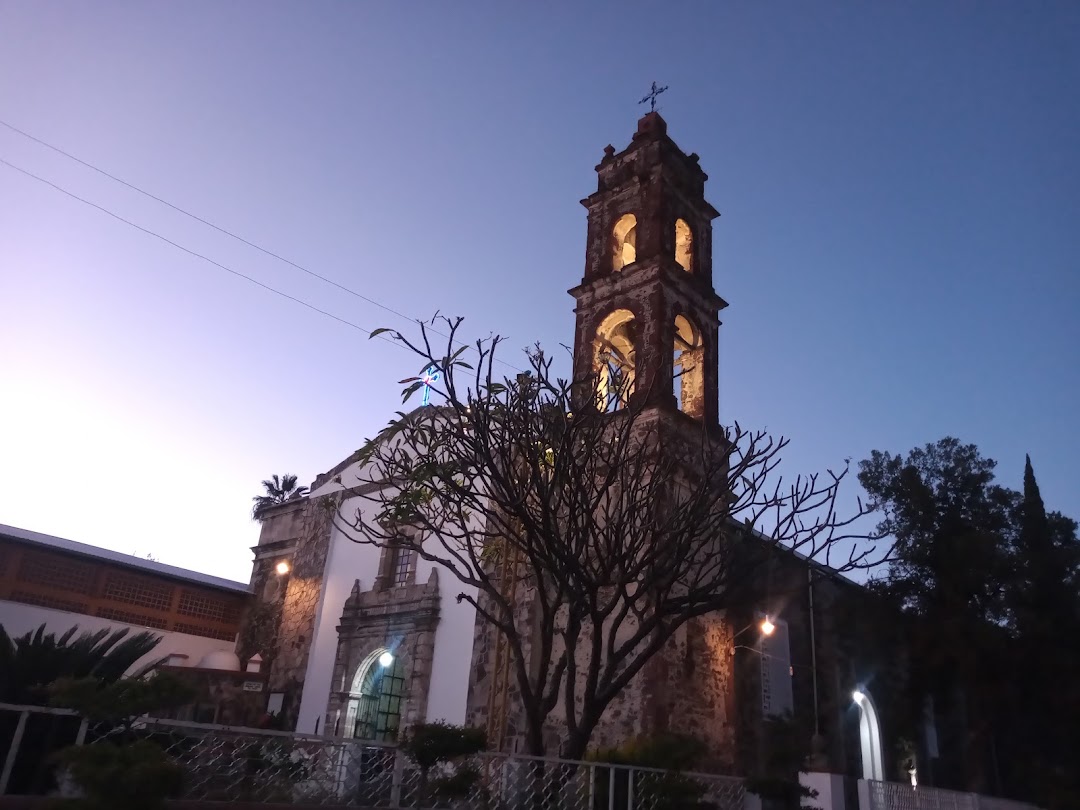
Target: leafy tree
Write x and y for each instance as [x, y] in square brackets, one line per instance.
[31, 662]
[278, 490]
[616, 527]
[1048, 567]
[1042, 745]
[955, 531]
[992, 579]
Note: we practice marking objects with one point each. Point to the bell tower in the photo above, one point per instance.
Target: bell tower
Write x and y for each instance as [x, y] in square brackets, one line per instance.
[647, 313]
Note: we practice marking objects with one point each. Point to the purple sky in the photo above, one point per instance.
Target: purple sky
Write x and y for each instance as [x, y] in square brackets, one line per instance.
[899, 187]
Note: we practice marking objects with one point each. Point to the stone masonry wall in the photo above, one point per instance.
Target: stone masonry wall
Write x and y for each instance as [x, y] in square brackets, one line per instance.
[301, 600]
[401, 619]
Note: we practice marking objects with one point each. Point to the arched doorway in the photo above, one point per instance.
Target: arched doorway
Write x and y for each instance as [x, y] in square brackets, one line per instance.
[375, 698]
[869, 737]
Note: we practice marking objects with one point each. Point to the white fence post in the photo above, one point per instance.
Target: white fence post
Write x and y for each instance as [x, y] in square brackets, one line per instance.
[80, 738]
[866, 801]
[16, 740]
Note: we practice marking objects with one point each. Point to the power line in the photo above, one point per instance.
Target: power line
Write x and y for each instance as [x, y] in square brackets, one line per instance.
[196, 254]
[207, 222]
[219, 229]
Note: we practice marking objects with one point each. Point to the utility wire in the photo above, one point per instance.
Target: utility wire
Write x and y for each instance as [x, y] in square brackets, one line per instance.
[196, 254]
[217, 228]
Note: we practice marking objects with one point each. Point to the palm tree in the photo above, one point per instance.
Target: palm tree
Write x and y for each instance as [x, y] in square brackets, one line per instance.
[33, 661]
[278, 490]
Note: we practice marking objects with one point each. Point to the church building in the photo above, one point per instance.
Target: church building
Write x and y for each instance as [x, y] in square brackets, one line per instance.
[361, 642]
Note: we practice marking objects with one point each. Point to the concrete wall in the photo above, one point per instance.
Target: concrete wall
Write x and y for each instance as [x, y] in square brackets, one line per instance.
[19, 619]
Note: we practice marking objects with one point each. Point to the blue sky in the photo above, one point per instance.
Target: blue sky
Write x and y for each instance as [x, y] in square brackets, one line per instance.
[899, 187]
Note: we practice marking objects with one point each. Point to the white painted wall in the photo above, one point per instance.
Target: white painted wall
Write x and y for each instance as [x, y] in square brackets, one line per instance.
[19, 619]
[348, 561]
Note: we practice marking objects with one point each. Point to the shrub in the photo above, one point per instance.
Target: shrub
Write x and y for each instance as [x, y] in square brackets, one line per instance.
[444, 749]
[122, 772]
[132, 776]
[669, 790]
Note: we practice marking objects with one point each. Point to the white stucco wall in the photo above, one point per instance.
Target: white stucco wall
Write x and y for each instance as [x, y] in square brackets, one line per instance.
[19, 619]
[348, 561]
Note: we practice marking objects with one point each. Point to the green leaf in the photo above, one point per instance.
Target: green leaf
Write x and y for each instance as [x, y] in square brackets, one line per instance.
[377, 332]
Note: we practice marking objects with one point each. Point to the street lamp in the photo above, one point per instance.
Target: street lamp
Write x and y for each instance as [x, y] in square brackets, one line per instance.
[282, 568]
[766, 627]
[386, 659]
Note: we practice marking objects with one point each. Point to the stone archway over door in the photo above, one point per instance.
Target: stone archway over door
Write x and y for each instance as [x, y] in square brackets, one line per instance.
[869, 737]
[376, 697]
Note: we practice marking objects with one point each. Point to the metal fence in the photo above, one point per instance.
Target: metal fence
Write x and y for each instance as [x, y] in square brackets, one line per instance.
[233, 765]
[28, 734]
[899, 796]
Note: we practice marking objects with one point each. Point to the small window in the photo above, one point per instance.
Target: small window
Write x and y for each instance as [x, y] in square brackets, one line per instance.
[403, 559]
[624, 242]
[684, 245]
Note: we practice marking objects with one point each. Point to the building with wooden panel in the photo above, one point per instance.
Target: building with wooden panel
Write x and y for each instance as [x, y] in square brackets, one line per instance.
[52, 581]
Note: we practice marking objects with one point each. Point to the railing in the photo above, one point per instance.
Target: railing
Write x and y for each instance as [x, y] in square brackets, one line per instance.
[233, 765]
[898, 796]
[45, 737]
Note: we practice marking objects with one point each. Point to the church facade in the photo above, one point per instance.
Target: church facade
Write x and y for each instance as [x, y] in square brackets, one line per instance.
[362, 642]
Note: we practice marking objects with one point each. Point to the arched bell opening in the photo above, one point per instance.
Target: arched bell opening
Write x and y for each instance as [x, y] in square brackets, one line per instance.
[688, 367]
[624, 242]
[615, 354]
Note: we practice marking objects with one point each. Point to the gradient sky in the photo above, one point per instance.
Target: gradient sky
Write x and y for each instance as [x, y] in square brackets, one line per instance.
[900, 234]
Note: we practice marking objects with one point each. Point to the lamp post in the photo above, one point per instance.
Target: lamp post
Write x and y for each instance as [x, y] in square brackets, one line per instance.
[765, 626]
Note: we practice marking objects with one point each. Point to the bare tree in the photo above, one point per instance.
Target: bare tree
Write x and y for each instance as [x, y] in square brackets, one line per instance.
[619, 522]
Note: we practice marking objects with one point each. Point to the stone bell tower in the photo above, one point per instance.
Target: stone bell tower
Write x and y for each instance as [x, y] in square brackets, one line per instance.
[647, 313]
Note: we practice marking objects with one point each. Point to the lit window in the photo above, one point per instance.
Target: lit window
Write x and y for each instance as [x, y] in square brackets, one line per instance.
[624, 242]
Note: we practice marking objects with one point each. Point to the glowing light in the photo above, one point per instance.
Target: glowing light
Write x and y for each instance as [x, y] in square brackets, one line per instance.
[430, 376]
[282, 568]
[767, 627]
[858, 696]
[386, 659]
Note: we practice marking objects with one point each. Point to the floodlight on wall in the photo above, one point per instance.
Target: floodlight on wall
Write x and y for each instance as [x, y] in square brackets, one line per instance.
[386, 659]
[858, 696]
[767, 627]
[282, 568]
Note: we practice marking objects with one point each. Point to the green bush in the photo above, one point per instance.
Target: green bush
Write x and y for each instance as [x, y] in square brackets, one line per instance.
[122, 772]
[428, 744]
[445, 749]
[132, 776]
[669, 790]
[119, 702]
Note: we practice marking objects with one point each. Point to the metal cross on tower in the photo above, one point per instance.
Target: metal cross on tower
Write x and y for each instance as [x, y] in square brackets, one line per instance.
[651, 96]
